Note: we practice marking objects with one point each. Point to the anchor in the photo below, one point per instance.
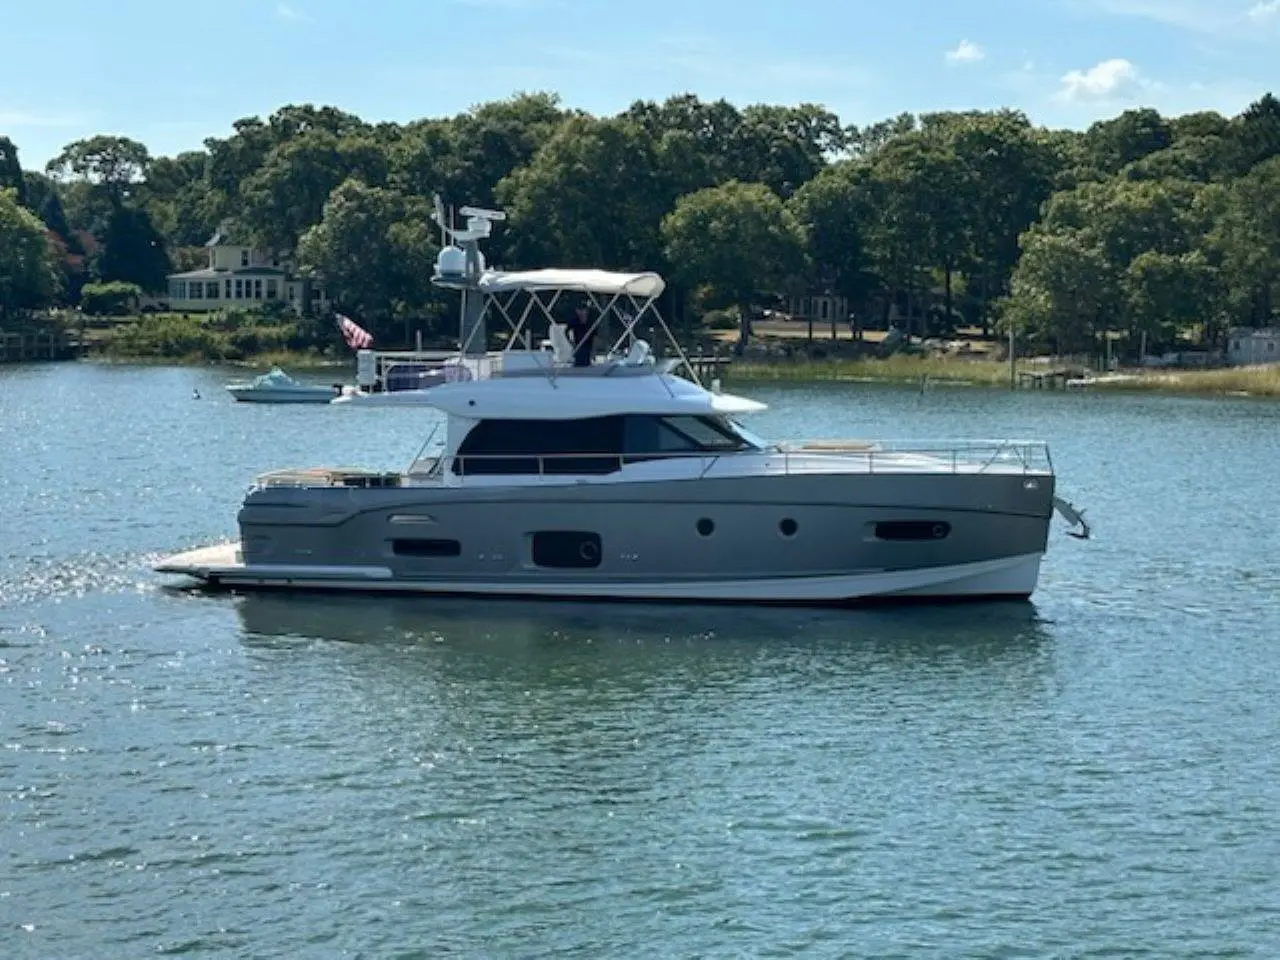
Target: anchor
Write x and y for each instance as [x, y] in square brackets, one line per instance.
[1072, 516]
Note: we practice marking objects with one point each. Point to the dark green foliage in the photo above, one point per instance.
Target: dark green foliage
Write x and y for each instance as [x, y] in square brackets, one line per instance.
[1145, 224]
[112, 299]
[132, 251]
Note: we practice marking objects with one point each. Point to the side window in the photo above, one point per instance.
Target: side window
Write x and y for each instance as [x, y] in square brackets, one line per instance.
[591, 445]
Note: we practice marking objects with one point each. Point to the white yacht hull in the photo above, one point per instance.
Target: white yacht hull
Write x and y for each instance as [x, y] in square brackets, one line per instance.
[1015, 576]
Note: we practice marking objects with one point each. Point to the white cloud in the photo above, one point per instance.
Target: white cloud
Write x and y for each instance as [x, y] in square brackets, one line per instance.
[1265, 12]
[286, 12]
[1115, 79]
[1224, 19]
[970, 52]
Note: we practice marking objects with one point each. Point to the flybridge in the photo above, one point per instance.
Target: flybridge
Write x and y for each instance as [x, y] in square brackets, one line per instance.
[573, 306]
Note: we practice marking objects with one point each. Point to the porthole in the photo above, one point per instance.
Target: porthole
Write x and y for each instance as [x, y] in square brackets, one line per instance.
[706, 527]
[788, 527]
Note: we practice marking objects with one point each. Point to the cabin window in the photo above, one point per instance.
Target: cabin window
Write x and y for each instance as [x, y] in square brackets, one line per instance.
[592, 445]
[426, 548]
[540, 447]
[566, 549]
[915, 530]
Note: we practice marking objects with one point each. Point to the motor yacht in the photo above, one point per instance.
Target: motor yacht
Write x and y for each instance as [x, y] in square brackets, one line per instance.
[622, 477]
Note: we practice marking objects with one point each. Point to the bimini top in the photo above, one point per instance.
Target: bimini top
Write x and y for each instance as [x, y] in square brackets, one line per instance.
[570, 398]
[644, 285]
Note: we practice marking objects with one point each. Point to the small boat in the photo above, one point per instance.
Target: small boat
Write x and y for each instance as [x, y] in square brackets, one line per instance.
[276, 386]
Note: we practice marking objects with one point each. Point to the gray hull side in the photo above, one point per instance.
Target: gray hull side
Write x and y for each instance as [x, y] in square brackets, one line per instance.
[650, 530]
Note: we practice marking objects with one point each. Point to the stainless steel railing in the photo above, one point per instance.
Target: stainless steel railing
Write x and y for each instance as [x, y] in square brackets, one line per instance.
[1018, 457]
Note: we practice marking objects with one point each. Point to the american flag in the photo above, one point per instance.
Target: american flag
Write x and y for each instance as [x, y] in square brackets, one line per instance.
[357, 337]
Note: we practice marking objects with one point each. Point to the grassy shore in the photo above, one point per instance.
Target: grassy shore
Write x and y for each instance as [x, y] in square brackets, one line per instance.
[902, 368]
[914, 368]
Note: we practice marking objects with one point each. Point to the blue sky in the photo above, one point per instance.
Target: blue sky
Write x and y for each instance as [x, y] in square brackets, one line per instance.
[172, 73]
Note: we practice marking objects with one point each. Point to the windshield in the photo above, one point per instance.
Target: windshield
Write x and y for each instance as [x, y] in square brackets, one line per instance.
[751, 439]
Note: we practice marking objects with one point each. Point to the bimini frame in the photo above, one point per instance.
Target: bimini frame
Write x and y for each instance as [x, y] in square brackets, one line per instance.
[524, 298]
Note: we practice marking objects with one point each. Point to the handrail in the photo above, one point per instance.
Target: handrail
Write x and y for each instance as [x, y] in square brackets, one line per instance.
[1017, 458]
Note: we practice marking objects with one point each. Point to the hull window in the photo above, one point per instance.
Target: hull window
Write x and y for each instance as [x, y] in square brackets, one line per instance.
[706, 527]
[912, 530]
[566, 549]
[426, 548]
[788, 527]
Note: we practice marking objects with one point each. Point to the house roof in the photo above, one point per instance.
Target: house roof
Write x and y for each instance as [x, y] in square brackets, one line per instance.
[212, 274]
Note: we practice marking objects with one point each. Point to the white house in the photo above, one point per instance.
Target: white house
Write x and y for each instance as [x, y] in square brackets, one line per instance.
[239, 275]
[1246, 346]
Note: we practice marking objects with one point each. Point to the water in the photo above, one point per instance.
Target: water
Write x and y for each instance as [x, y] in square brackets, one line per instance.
[1092, 774]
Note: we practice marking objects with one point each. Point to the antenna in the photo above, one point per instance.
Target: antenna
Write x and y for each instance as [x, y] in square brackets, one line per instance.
[480, 213]
[438, 216]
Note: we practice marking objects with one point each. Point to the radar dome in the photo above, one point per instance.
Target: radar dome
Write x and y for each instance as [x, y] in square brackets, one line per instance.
[451, 262]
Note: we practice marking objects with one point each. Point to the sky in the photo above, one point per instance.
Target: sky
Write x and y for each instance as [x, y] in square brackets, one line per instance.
[173, 73]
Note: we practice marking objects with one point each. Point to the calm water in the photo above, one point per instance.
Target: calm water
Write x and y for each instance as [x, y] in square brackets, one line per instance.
[1092, 774]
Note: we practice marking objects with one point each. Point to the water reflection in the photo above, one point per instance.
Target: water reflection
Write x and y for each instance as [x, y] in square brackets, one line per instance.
[493, 637]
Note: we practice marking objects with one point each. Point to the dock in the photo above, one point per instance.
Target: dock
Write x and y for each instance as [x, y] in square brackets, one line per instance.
[18, 347]
[1045, 379]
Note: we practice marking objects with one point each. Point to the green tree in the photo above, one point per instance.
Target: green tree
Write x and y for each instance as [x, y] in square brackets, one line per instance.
[1247, 239]
[1169, 293]
[43, 200]
[287, 194]
[738, 242]
[1061, 292]
[28, 276]
[833, 211]
[592, 195]
[114, 164]
[923, 222]
[11, 171]
[375, 250]
[133, 251]
[1113, 144]
[1257, 132]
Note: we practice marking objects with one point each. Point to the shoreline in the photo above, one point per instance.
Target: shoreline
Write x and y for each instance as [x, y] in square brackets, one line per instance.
[1262, 382]
[1257, 381]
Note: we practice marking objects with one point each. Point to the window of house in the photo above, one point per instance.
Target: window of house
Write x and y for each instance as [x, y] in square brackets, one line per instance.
[211, 290]
[182, 290]
[244, 258]
[1235, 344]
[239, 289]
[826, 310]
[257, 289]
[196, 290]
[293, 293]
[226, 290]
[271, 289]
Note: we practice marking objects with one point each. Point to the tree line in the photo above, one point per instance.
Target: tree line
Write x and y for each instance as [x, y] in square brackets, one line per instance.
[1158, 228]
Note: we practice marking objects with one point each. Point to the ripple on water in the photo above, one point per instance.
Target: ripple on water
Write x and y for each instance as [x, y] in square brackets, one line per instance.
[1093, 774]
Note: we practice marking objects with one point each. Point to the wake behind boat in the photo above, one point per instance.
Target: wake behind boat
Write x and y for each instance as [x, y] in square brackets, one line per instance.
[571, 472]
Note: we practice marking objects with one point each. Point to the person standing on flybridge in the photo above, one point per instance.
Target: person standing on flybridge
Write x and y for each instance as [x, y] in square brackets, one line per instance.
[581, 334]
